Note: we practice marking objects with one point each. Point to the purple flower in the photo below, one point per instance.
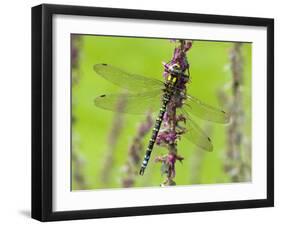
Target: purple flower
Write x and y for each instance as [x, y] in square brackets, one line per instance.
[74, 50]
[171, 129]
[145, 127]
[187, 45]
[166, 137]
[168, 164]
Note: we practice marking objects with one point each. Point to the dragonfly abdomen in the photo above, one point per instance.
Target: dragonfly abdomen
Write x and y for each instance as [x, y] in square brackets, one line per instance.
[158, 122]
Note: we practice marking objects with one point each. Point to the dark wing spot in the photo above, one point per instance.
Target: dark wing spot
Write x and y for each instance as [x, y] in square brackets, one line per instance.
[102, 95]
[209, 139]
[104, 64]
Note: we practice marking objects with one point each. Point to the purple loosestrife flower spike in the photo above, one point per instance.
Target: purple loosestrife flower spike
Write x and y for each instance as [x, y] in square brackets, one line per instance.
[171, 131]
[134, 152]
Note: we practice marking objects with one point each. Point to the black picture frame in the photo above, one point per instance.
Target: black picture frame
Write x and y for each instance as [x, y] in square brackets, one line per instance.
[42, 107]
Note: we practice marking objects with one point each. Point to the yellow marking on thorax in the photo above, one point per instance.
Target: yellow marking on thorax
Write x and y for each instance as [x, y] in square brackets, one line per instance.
[169, 77]
[172, 79]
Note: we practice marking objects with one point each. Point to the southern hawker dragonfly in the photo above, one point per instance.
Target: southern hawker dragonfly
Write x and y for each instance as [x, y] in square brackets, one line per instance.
[147, 94]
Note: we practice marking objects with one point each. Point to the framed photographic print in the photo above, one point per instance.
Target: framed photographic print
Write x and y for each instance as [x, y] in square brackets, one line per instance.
[146, 112]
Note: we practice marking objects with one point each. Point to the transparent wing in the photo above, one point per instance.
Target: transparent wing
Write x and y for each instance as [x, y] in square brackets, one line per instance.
[137, 103]
[205, 111]
[128, 81]
[196, 135]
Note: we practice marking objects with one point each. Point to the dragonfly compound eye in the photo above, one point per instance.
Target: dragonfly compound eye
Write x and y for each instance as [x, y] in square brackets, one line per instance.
[175, 69]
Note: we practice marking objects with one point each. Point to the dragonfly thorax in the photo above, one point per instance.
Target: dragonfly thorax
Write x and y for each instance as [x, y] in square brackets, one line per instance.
[176, 74]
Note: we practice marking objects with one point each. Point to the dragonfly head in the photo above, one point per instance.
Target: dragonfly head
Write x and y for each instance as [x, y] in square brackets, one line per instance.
[175, 69]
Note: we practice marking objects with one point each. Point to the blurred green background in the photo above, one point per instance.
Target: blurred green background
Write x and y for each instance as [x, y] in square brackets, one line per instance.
[211, 75]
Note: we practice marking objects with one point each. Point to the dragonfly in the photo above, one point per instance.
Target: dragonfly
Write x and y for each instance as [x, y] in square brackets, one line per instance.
[145, 94]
